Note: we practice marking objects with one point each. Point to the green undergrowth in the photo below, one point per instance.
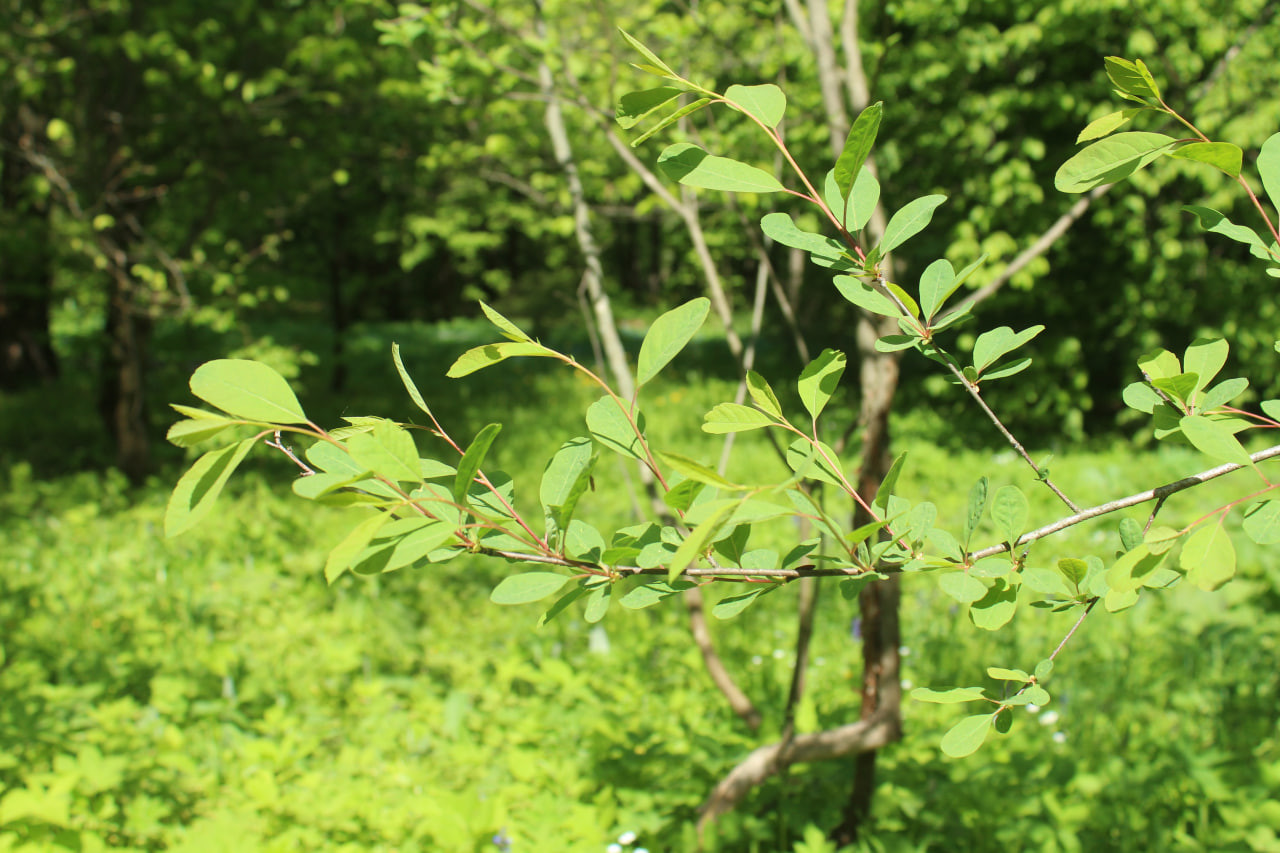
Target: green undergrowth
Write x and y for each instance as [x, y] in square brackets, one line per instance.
[212, 693]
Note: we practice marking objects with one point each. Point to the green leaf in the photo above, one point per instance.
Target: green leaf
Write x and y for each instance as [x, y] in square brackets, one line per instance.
[649, 55]
[996, 608]
[954, 696]
[527, 587]
[1009, 510]
[509, 329]
[977, 506]
[801, 456]
[1007, 369]
[819, 380]
[1046, 581]
[478, 358]
[1073, 569]
[565, 480]
[966, 736]
[471, 461]
[190, 432]
[1271, 408]
[1222, 393]
[611, 429]
[1178, 387]
[1205, 357]
[962, 586]
[409, 385]
[1044, 669]
[1133, 569]
[863, 200]
[247, 389]
[998, 342]
[889, 482]
[400, 543]
[1269, 168]
[727, 608]
[352, 544]
[635, 107]
[651, 593]
[1220, 155]
[1002, 674]
[670, 119]
[669, 334]
[857, 147]
[194, 495]
[1262, 522]
[909, 221]
[597, 603]
[695, 470]
[937, 282]
[1131, 77]
[766, 103]
[1216, 223]
[698, 541]
[1214, 438]
[763, 394]
[1130, 534]
[1159, 364]
[693, 167]
[1110, 160]
[1100, 127]
[682, 495]
[1208, 557]
[865, 296]
[1140, 396]
[561, 604]
[781, 228]
[388, 450]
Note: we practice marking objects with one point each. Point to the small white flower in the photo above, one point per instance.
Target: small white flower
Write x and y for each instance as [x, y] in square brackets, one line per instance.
[906, 684]
[904, 651]
[613, 848]
[1059, 737]
[642, 850]
[627, 837]
[1048, 718]
[1033, 708]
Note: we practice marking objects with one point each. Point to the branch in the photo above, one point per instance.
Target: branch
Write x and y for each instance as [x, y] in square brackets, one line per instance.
[1159, 493]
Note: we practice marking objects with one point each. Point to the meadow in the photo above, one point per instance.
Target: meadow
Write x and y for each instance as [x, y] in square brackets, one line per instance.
[212, 693]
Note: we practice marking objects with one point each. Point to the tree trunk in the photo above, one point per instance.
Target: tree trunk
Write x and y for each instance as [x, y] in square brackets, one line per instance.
[122, 396]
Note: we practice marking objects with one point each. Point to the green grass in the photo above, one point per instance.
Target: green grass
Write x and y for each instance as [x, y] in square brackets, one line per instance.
[212, 693]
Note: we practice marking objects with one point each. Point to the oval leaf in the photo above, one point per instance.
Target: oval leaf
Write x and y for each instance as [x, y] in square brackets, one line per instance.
[909, 221]
[693, 167]
[197, 490]
[247, 389]
[527, 587]
[734, 417]
[1112, 159]
[966, 736]
[765, 103]
[669, 334]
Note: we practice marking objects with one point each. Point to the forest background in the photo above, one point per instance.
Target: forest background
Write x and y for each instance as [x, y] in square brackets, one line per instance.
[304, 182]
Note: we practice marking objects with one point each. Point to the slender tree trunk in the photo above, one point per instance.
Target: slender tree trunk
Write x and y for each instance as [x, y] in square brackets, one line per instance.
[122, 400]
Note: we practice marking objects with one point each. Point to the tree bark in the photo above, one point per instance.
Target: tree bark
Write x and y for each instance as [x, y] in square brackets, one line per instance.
[122, 397]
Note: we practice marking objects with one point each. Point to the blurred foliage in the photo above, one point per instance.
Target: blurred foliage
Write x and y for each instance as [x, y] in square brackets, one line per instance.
[212, 692]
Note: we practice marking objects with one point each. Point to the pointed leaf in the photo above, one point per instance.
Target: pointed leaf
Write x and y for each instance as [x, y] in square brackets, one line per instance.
[527, 587]
[651, 593]
[819, 380]
[670, 119]
[962, 586]
[1214, 222]
[734, 417]
[909, 221]
[815, 464]
[1220, 155]
[611, 429]
[1204, 358]
[565, 480]
[1110, 160]
[646, 53]
[1133, 569]
[889, 482]
[862, 200]
[478, 358]
[762, 394]
[695, 470]
[857, 146]
[247, 389]
[781, 228]
[993, 345]
[1131, 77]
[597, 603]
[1100, 127]
[634, 107]
[669, 334]
[1262, 522]
[727, 608]
[194, 495]
[352, 544]
[190, 432]
[388, 450]
[937, 282]
[409, 385]
[698, 541]
[472, 460]
[765, 103]
[693, 167]
[977, 506]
